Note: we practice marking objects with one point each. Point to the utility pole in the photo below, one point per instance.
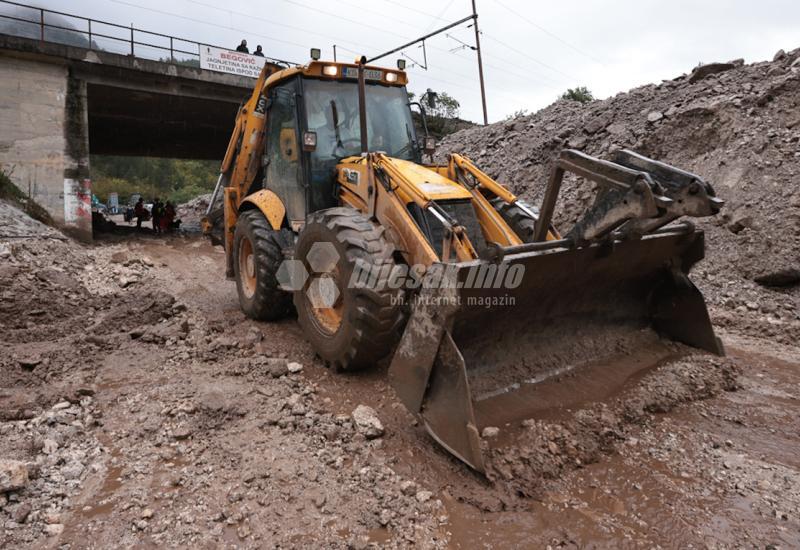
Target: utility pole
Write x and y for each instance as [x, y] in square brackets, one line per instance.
[480, 62]
[477, 48]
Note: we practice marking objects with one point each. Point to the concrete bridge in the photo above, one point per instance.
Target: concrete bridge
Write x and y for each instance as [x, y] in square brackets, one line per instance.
[62, 103]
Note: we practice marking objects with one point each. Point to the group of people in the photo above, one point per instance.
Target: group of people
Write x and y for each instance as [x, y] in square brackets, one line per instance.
[243, 48]
[162, 214]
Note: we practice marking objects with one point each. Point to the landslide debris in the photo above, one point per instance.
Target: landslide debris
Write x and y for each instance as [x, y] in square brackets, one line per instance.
[736, 125]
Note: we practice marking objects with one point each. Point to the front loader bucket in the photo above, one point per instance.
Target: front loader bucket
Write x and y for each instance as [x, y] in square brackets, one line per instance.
[465, 343]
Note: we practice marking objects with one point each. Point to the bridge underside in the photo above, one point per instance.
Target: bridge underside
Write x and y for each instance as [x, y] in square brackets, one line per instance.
[61, 104]
[138, 123]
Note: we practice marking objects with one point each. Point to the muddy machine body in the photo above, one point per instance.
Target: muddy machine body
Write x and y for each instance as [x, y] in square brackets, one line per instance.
[325, 206]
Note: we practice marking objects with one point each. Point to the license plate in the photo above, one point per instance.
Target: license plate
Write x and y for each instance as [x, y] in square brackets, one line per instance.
[369, 74]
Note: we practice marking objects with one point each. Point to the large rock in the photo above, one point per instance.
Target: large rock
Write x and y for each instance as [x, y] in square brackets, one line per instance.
[787, 276]
[699, 73]
[13, 475]
[367, 422]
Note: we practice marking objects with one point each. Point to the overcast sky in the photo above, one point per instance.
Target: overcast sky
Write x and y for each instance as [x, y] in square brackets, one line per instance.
[533, 50]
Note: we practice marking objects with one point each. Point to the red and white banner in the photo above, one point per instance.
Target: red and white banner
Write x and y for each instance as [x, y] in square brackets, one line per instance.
[228, 61]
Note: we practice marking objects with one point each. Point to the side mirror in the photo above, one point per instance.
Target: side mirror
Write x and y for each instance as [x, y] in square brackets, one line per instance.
[430, 145]
[309, 141]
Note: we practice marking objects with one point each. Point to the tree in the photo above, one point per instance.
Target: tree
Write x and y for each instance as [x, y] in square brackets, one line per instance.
[174, 179]
[580, 94]
[445, 106]
[442, 112]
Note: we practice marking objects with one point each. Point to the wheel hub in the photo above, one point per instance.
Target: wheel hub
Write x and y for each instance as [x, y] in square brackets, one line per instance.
[247, 268]
[325, 295]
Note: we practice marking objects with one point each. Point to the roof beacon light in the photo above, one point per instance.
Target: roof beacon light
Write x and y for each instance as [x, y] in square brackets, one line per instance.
[330, 70]
[315, 54]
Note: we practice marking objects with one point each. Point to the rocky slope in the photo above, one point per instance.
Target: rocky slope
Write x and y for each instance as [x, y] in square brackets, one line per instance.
[736, 125]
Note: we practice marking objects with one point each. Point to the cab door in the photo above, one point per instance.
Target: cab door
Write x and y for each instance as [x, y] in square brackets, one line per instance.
[283, 169]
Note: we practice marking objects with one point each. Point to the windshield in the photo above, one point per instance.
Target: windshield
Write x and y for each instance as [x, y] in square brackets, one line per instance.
[332, 112]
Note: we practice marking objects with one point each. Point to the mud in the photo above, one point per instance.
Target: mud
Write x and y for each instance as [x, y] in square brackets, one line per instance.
[191, 431]
[149, 412]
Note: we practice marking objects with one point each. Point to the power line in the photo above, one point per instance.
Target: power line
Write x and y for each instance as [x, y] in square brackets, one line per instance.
[378, 13]
[271, 22]
[552, 35]
[198, 2]
[291, 27]
[546, 80]
[405, 7]
[192, 19]
[470, 88]
[524, 77]
[359, 23]
[528, 56]
[438, 17]
[339, 16]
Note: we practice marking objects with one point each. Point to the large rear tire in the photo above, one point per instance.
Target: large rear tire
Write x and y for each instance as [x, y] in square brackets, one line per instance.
[351, 324]
[258, 253]
[521, 223]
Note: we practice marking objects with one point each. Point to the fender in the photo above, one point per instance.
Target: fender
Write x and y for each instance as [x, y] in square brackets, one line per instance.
[270, 205]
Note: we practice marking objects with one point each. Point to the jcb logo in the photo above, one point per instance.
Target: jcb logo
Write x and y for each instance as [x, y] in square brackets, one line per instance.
[261, 107]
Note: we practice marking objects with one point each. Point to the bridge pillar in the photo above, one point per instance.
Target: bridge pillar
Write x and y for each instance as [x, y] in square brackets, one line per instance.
[44, 139]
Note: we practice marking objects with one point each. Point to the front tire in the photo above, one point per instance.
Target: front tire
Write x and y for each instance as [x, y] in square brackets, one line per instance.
[258, 253]
[350, 324]
[520, 222]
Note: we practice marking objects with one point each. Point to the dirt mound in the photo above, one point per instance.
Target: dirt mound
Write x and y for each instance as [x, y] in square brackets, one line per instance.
[736, 125]
[190, 213]
[17, 224]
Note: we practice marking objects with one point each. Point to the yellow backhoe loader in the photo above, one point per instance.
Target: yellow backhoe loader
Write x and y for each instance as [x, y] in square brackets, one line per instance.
[464, 289]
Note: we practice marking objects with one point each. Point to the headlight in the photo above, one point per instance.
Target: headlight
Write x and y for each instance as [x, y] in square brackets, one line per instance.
[391, 77]
[330, 70]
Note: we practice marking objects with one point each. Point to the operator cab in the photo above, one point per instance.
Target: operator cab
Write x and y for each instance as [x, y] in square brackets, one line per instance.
[313, 124]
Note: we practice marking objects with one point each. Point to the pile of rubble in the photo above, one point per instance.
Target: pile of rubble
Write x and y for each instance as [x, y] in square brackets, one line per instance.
[128, 416]
[190, 213]
[736, 125]
[45, 458]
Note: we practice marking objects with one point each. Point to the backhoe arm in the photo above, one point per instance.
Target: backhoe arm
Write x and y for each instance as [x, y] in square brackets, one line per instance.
[240, 164]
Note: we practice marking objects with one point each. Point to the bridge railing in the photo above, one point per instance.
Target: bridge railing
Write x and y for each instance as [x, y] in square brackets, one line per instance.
[75, 30]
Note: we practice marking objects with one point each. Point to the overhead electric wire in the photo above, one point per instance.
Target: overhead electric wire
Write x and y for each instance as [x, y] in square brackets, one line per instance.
[543, 79]
[528, 56]
[339, 16]
[406, 7]
[272, 22]
[438, 17]
[359, 23]
[547, 32]
[378, 13]
[470, 88]
[521, 76]
[193, 20]
[291, 27]
[198, 2]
